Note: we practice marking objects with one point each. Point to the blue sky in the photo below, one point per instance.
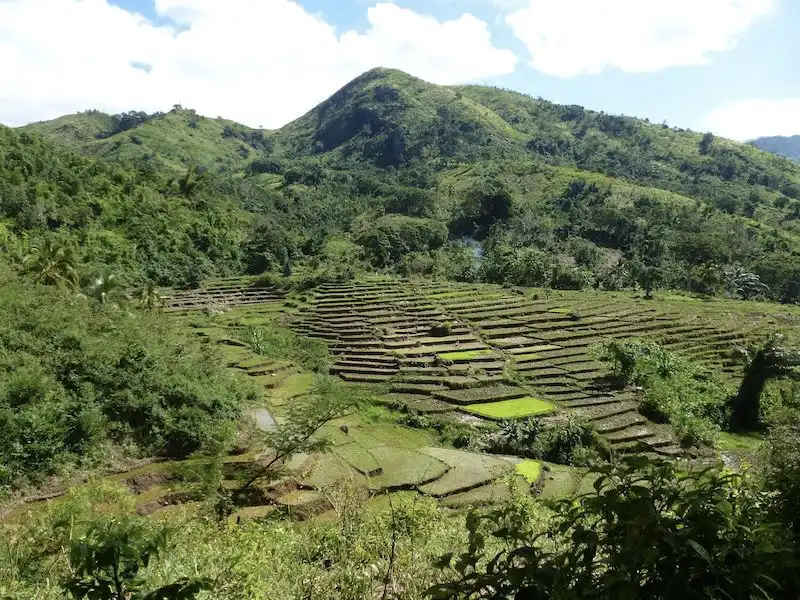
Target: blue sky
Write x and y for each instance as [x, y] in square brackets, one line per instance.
[722, 65]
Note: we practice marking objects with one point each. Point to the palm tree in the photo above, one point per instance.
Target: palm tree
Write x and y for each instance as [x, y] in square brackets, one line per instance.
[52, 264]
[188, 183]
[149, 298]
[106, 288]
[762, 363]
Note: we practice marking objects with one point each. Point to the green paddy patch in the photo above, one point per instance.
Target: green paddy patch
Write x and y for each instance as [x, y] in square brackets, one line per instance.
[468, 470]
[531, 470]
[561, 311]
[464, 355]
[511, 409]
[527, 357]
[738, 442]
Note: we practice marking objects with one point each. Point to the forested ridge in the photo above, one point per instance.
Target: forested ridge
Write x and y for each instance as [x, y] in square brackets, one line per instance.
[552, 195]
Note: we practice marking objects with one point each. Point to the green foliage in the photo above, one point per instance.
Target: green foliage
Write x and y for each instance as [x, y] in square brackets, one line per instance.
[123, 220]
[105, 564]
[647, 531]
[51, 264]
[769, 360]
[390, 237]
[74, 379]
[558, 196]
[282, 344]
[106, 289]
[780, 460]
[676, 391]
[328, 400]
[568, 443]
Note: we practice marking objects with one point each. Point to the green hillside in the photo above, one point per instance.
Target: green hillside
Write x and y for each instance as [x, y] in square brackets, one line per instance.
[553, 195]
[168, 141]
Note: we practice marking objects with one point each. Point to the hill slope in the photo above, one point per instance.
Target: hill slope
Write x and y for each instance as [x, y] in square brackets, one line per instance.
[788, 146]
[587, 191]
[170, 140]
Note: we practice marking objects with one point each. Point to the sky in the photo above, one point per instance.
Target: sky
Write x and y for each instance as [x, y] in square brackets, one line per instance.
[724, 66]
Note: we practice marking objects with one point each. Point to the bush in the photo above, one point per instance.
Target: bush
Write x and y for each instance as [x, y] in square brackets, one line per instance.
[391, 237]
[569, 443]
[283, 344]
[675, 391]
[76, 376]
[646, 531]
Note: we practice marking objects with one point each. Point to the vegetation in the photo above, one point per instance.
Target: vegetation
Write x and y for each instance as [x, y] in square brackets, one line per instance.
[393, 176]
[469, 183]
[511, 409]
[83, 383]
[771, 360]
[689, 397]
[643, 533]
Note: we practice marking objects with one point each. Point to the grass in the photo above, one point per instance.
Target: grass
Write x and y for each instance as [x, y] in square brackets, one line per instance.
[464, 355]
[403, 468]
[494, 492]
[560, 481]
[511, 409]
[739, 442]
[493, 393]
[359, 458]
[527, 357]
[467, 471]
[531, 470]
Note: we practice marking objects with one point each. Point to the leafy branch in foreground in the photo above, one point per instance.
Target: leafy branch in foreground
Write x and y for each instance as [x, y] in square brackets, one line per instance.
[647, 531]
[105, 564]
[328, 400]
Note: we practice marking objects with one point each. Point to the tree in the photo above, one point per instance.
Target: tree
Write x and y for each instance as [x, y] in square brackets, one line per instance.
[52, 264]
[781, 464]
[287, 266]
[647, 531]
[297, 433]
[649, 250]
[106, 561]
[149, 298]
[740, 283]
[706, 143]
[189, 182]
[106, 288]
[768, 361]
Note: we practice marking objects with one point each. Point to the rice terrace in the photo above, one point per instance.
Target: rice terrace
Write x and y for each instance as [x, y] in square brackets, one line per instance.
[470, 355]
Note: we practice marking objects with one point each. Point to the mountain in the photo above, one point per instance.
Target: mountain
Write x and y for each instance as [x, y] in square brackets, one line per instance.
[788, 146]
[170, 140]
[372, 176]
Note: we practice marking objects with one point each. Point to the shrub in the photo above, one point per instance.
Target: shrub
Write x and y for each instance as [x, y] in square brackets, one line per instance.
[569, 443]
[76, 376]
[675, 391]
[279, 343]
[646, 531]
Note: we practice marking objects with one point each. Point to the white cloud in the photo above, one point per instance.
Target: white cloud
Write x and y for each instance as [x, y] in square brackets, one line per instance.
[259, 62]
[567, 38]
[757, 117]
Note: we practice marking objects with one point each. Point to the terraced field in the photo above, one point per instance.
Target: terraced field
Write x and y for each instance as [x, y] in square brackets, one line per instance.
[387, 332]
[471, 352]
[496, 353]
[220, 294]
